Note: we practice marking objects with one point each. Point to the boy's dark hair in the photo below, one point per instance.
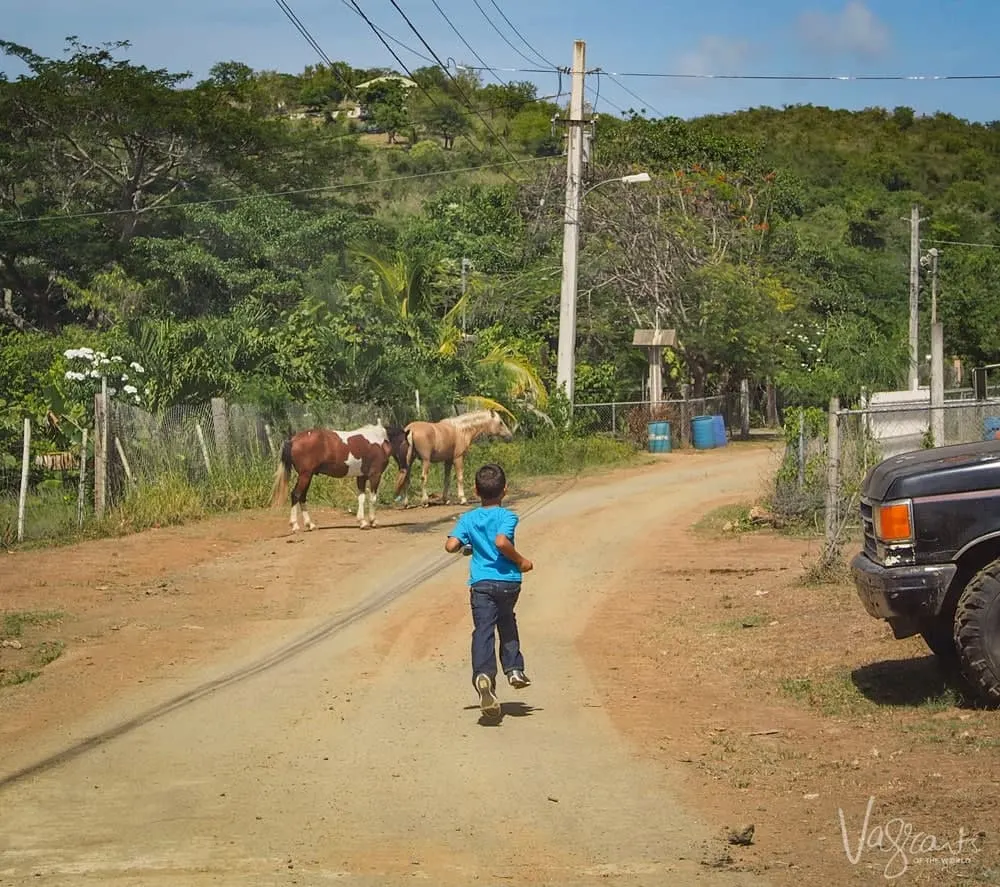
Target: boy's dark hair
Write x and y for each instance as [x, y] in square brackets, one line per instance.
[490, 481]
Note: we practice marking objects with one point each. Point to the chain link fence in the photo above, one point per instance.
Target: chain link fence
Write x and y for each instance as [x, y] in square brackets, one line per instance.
[223, 453]
[628, 420]
[812, 487]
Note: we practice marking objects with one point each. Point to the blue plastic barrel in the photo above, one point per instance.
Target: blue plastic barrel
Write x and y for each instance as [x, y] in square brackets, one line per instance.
[659, 437]
[703, 432]
[991, 428]
[719, 430]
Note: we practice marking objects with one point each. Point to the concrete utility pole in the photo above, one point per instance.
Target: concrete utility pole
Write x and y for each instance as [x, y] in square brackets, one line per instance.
[465, 285]
[566, 361]
[915, 221]
[937, 359]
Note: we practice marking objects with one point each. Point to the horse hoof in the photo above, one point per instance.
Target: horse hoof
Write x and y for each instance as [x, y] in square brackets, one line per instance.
[365, 525]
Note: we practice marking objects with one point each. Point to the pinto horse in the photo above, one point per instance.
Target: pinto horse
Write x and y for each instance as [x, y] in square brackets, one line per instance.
[362, 453]
[446, 441]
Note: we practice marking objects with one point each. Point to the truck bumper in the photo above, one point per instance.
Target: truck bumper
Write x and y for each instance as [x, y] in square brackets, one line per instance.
[906, 597]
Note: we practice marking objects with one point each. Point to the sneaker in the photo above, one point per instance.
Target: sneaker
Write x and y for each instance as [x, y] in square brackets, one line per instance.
[518, 679]
[487, 698]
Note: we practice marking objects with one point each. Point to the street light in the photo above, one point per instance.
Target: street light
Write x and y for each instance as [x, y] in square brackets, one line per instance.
[566, 361]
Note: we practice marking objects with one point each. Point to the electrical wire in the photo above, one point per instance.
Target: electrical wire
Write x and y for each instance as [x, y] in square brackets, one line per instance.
[458, 85]
[830, 77]
[420, 86]
[297, 191]
[304, 31]
[511, 25]
[961, 243]
[638, 98]
[503, 36]
[395, 40]
[458, 33]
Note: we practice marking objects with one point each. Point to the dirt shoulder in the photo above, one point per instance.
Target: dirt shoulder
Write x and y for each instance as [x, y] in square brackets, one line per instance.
[785, 706]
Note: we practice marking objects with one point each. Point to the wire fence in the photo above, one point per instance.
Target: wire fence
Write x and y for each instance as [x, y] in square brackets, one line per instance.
[221, 450]
[829, 453]
[629, 420]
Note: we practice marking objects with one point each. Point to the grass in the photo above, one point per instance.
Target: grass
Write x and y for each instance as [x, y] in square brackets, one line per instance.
[13, 625]
[727, 518]
[834, 694]
[15, 621]
[173, 498]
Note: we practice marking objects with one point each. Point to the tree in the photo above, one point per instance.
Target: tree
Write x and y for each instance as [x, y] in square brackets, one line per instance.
[385, 102]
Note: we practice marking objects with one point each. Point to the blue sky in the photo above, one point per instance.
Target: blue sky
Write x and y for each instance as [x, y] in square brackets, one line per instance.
[623, 37]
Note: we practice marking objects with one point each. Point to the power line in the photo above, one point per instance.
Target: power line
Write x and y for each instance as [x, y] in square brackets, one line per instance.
[638, 98]
[458, 86]
[503, 36]
[545, 61]
[961, 243]
[831, 77]
[458, 33]
[422, 88]
[297, 191]
[304, 31]
[395, 40]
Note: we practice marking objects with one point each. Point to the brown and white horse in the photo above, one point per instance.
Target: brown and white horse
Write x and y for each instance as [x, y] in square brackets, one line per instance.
[445, 441]
[362, 453]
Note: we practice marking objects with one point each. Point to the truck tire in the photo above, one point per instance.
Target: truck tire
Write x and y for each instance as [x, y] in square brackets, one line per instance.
[977, 632]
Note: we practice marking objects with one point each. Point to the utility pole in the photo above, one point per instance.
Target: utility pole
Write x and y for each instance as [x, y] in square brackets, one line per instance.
[566, 361]
[465, 286]
[915, 221]
[937, 359]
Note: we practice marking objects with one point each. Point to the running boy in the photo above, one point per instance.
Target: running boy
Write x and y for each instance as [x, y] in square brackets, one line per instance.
[494, 585]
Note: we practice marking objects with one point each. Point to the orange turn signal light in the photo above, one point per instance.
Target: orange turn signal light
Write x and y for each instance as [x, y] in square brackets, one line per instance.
[892, 522]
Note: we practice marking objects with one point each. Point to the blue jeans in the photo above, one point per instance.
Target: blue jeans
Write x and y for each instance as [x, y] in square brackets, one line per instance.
[493, 607]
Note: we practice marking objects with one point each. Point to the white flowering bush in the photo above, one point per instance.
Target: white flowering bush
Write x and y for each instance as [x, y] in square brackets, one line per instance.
[95, 366]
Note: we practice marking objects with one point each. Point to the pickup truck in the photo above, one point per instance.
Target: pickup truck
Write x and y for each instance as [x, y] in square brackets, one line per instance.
[931, 558]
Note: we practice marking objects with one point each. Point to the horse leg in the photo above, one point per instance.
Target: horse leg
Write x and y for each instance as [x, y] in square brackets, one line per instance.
[426, 466]
[373, 481]
[447, 483]
[361, 503]
[299, 500]
[459, 463]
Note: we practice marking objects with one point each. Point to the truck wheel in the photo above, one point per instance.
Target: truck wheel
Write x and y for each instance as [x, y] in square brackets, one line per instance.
[977, 632]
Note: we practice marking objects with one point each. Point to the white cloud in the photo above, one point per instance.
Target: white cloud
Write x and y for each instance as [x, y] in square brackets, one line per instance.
[714, 55]
[854, 31]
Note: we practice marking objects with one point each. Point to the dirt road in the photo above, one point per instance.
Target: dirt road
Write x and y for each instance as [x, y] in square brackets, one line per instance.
[349, 748]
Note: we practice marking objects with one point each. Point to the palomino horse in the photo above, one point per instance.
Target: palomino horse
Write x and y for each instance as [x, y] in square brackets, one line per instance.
[362, 453]
[445, 441]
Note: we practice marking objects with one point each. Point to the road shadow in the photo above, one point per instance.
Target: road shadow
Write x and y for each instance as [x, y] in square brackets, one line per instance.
[908, 683]
[507, 710]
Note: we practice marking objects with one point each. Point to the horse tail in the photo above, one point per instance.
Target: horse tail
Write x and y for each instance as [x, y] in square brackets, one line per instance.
[281, 474]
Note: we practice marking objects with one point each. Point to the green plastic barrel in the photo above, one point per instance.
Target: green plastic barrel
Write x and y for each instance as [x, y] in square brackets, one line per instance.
[659, 437]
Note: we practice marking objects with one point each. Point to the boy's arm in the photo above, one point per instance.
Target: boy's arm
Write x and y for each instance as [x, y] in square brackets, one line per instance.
[505, 545]
[458, 538]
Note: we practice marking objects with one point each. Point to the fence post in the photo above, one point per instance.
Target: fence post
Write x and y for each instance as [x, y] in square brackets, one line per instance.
[614, 422]
[22, 500]
[833, 477]
[204, 446]
[82, 493]
[220, 424]
[101, 449]
[802, 447]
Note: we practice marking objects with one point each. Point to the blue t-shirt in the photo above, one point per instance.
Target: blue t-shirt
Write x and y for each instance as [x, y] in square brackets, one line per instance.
[479, 528]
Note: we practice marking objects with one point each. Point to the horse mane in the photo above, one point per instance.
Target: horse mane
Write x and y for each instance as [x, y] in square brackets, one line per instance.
[469, 420]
